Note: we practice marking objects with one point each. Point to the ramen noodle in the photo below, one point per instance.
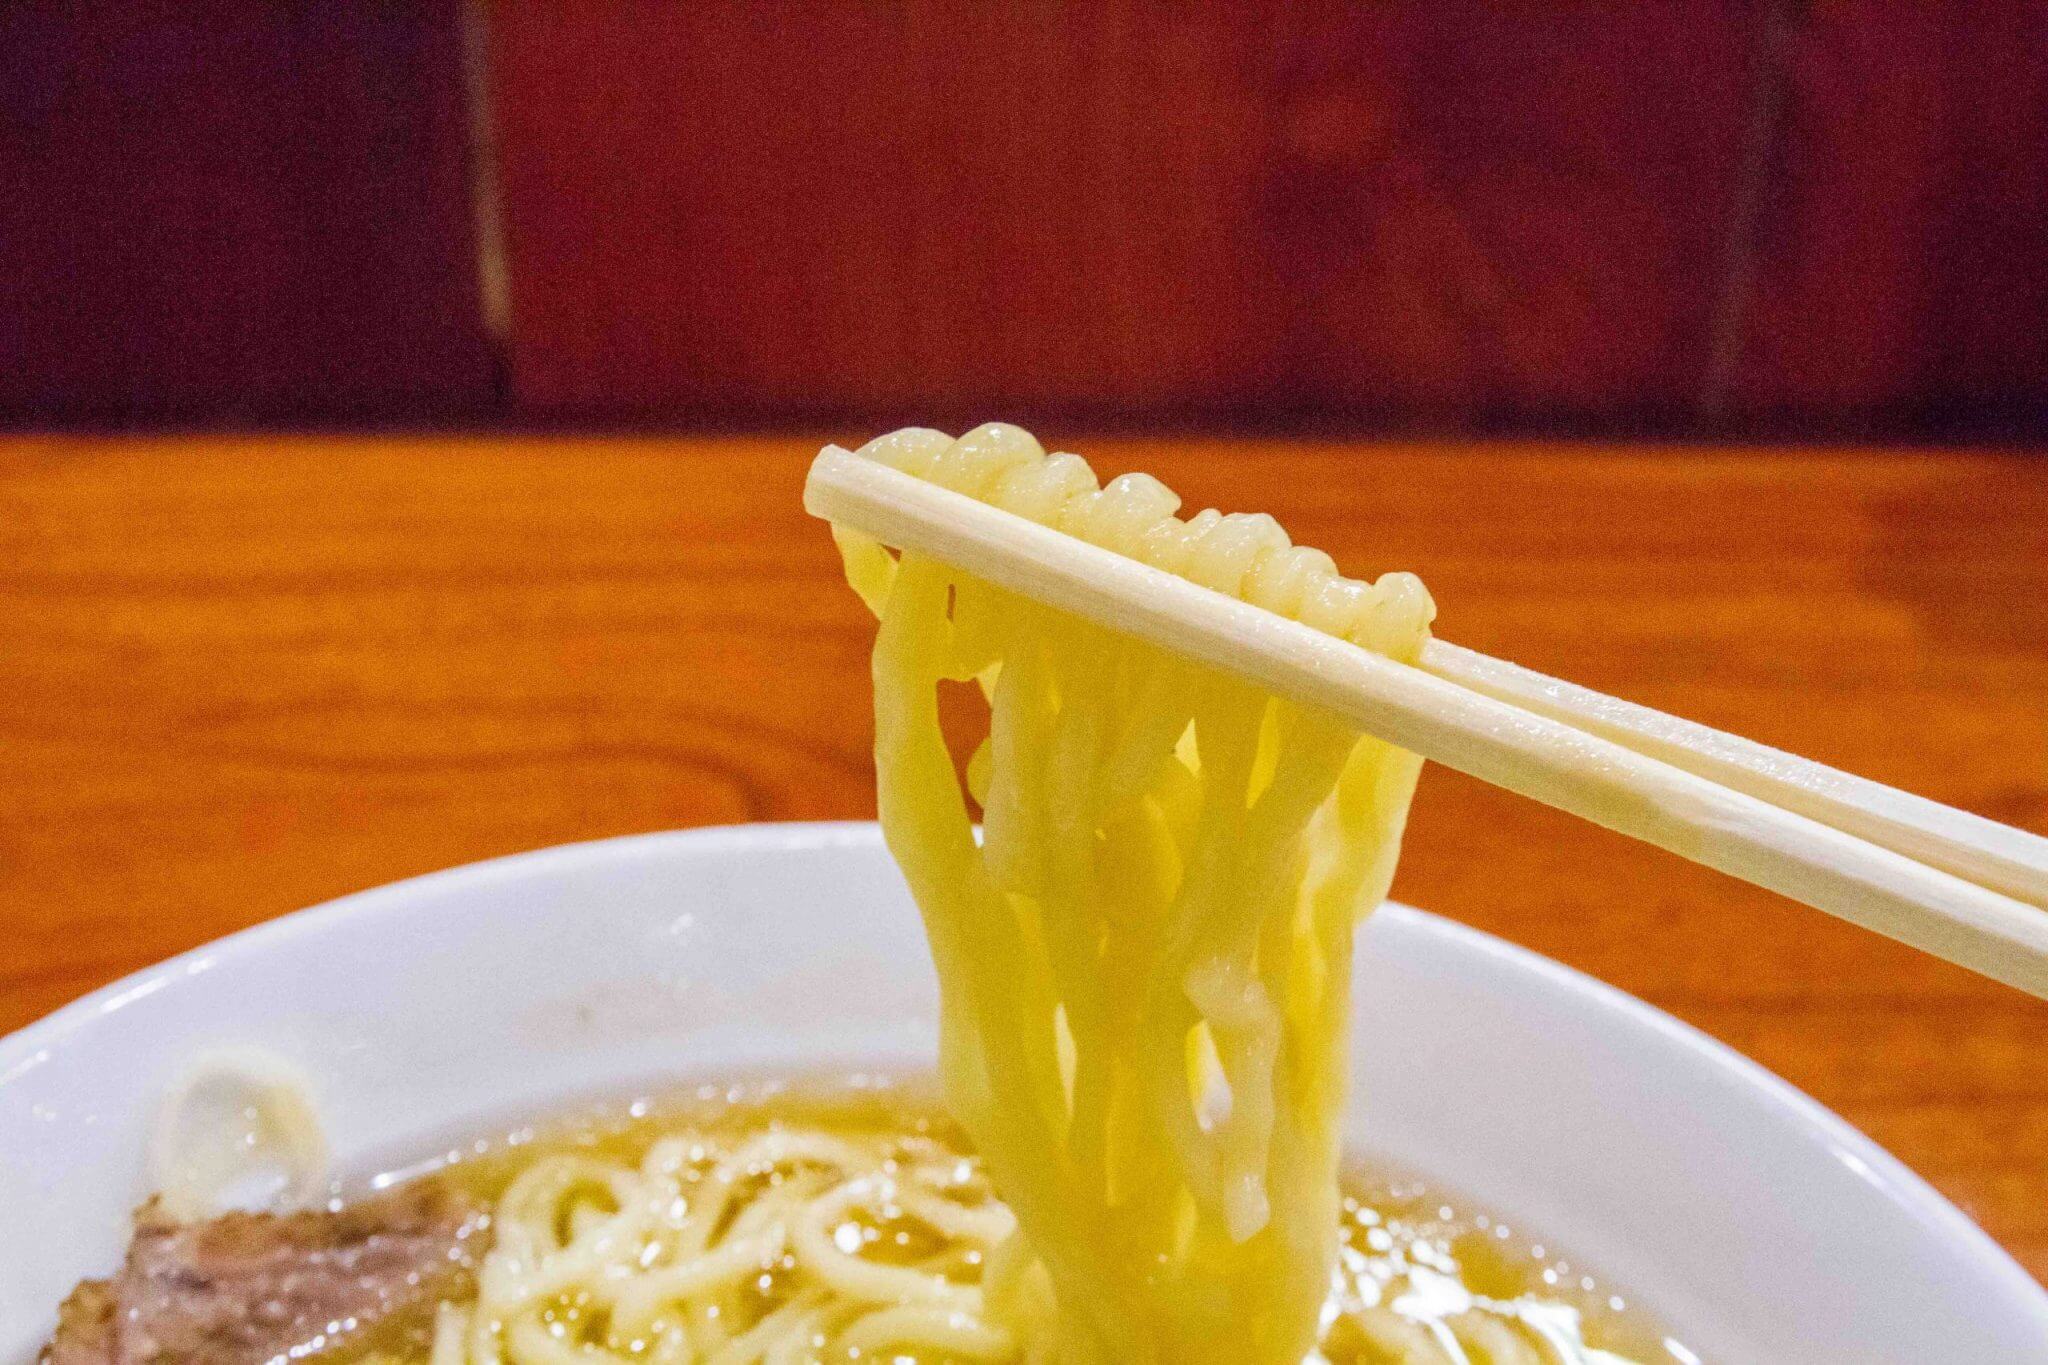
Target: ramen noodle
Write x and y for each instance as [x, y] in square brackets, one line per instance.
[1144, 962]
[779, 1225]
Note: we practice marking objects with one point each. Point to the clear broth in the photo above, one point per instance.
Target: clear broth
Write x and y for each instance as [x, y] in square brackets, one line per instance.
[1407, 1243]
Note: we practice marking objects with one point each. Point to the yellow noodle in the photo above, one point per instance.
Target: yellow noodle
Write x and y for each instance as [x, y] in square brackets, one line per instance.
[659, 1260]
[592, 1259]
[1172, 867]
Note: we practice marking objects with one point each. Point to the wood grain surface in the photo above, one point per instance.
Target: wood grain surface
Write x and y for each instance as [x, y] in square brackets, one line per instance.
[243, 676]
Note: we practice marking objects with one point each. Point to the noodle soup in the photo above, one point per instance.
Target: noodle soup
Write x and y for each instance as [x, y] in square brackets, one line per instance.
[827, 1223]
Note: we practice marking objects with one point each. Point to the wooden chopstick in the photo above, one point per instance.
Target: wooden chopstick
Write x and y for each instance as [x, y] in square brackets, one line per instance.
[1976, 849]
[1494, 740]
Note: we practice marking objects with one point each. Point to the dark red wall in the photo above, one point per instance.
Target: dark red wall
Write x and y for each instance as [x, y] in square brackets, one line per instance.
[231, 210]
[1661, 217]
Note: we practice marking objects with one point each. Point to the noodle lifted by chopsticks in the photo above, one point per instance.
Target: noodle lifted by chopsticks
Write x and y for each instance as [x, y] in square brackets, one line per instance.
[1144, 965]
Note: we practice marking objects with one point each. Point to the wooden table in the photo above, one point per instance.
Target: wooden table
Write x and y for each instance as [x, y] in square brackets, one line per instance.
[243, 676]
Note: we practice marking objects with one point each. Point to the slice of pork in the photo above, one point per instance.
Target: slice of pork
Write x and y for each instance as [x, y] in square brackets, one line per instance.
[248, 1288]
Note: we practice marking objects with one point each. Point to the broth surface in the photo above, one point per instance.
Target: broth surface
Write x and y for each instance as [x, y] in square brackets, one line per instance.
[1422, 1275]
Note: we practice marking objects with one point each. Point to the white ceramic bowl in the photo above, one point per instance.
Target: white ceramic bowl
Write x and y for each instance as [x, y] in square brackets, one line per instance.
[1762, 1227]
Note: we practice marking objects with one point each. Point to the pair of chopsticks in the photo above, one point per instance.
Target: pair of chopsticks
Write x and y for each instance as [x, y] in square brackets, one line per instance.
[1940, 879]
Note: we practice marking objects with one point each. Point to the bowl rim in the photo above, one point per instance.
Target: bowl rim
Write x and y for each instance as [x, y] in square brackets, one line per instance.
[42, 1041]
